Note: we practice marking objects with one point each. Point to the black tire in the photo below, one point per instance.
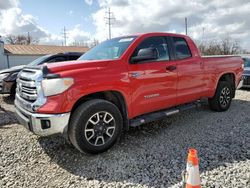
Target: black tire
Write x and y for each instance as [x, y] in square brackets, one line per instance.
[83, 119]
[222, 98]
[13, 91]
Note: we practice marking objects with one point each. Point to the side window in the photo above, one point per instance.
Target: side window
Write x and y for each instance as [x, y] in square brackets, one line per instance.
[73, 57]
[156, 42]
[181, 48]
[246, 62]
[57, 59]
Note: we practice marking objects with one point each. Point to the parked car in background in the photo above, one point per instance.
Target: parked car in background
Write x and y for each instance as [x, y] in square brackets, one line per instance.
[121, 83]
[246, 73]
[8, 76]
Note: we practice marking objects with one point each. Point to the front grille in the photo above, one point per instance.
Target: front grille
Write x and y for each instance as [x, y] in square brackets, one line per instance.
[27, 89]
[246, 72]
[26, 86]
[29, 94]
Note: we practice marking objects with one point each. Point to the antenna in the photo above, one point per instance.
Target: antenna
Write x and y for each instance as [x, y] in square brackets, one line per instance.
[186, 27]
[109, 18]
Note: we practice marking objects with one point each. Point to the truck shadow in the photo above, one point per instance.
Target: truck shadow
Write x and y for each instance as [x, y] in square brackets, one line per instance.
[7, 118]
[155, 154]
[245, 89]
[8, 99]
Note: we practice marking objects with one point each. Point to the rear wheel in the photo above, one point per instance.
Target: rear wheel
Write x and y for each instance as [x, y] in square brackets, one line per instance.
[222, 98]
[95, 126]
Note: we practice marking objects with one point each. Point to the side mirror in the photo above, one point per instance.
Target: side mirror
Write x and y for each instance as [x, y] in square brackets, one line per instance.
[145, 54]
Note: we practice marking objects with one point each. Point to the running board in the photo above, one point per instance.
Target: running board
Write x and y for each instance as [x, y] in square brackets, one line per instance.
[147, 118]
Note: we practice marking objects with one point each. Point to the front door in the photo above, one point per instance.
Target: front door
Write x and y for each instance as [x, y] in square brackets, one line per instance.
[154, 82]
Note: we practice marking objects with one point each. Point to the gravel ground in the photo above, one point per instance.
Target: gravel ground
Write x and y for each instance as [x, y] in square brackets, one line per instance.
[153, 155]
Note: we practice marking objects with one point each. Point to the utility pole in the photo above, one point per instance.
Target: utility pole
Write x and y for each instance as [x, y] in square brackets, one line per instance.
[203, 34]
[65, 36]
[186, 29]
[109, 17]
[28, 38]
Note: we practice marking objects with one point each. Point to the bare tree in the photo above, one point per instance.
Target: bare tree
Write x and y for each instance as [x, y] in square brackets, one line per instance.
[225, 46]
[94, 43]
[83, 43]
[11, 39]
[79, 43]
[20, 40]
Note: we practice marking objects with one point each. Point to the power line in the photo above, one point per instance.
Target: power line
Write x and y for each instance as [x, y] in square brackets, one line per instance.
[65, 36]
[109, 18]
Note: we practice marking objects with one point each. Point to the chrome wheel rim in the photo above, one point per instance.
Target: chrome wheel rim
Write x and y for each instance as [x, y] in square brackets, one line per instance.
[225, 97]
[99, 128]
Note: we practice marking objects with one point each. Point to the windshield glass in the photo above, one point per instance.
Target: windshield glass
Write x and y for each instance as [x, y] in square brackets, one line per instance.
[38, 60]
[110, 49]
[246, 62]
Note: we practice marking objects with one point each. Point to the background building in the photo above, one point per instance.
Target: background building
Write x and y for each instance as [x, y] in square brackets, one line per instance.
[14, 55]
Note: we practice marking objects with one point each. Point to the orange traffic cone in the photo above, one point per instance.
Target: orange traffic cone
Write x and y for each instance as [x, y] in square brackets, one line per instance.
[192, 178]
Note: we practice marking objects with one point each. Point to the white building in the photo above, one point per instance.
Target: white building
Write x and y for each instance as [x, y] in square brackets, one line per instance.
[13, 55]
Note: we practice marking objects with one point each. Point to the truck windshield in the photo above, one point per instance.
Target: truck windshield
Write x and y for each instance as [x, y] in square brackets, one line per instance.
[246, 62]
[108, 50]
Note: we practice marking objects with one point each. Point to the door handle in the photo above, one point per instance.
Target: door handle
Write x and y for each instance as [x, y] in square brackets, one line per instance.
[135, 74]
[171, 68]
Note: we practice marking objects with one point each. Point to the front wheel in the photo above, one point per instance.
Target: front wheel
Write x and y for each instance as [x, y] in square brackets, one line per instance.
[95, 126]
[222, 98]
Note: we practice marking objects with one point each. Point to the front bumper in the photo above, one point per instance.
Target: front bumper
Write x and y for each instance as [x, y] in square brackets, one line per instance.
[6, 87]
[246, 81]
[240, 84]
[42, 124]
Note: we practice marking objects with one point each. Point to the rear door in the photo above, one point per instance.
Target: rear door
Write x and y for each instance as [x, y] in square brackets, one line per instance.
[190, 72]
[153, 82]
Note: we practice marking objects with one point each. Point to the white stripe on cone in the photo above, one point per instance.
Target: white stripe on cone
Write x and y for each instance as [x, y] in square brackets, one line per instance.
[193, 175]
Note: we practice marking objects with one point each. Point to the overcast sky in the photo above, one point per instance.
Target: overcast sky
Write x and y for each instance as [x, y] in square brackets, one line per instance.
[84, 19]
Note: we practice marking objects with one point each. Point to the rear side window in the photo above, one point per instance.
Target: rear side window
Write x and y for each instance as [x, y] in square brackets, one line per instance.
[155, 42]
[73, 57]
[57, 59]
[181, 48]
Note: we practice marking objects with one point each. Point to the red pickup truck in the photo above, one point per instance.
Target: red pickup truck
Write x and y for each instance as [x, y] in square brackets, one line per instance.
[122, 83]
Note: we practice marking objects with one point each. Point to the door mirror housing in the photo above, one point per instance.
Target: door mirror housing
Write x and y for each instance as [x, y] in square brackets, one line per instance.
[145, 54]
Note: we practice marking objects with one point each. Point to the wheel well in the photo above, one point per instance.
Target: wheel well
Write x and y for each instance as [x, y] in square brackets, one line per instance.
[111, 96]
[229, 77]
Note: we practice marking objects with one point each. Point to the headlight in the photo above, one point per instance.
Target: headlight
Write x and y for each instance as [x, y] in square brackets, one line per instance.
[4, 75]
[56, 86]
[11, 77]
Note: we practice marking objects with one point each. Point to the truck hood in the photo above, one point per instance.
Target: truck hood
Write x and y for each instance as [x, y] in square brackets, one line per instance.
[76, 65]
[12, 69]
[247, 68]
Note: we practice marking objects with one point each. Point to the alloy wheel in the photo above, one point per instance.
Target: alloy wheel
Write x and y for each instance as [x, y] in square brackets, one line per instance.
[100, 128]
[225, 97]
